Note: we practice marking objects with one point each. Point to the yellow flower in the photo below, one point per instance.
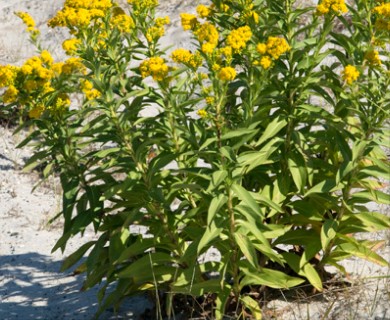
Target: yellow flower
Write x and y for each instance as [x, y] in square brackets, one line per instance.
[261, 48]
[188, 21]
[350, 74]
[227, 74]
[226, 51]
[122, 22]
[382, 24]
[186, 57]
[373, 58]
[70, 46]
[210, 100]
[154, 67]
[7, 75]
[46, 57]
[337, 7]
[154, 33]
[27, 20]
[202, 113]
[72, 65]
[208, 48]
[36, 111]
[266, 62]
[60, 105]
[216, 67]
[207, 32]
[10, 94]
[277, 46]
[383, 9]
[144, 4]
[89, 91]
[161, 21]
[252, 15]
[203, 11]
[237, 39]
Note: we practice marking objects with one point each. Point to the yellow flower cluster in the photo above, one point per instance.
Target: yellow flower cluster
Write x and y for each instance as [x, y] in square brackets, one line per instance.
[28, 21]
[373, 58]
[161, 21]
[383, 9]
[144, 4]
[227, 74]
[273, 48]
[350, 74]
[276, 47]
[157, 31]
[251, 15]
[11, 94]
[73, 65]
[265, 62]
[203, 11]
[210, 100]
[207, 35]
[154, 67]
[71, 45]
[89, 91]
[382, 23]
[202, 113]
[36, 111]
[123, 22]
[89, 4]
[186, 57]
[61, 104]
[188, 21]
[337, 7]
[80, 13]
[38, 68]
[237, 39]
[8, 75]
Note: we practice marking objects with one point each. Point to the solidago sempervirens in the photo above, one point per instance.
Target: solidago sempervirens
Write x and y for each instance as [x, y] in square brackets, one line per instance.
[336, 7]
[272, 49]
[382, 22]
[350, 74]
[258, 132]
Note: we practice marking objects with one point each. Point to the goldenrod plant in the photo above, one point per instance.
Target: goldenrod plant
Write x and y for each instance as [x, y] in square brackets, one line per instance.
[266, 143]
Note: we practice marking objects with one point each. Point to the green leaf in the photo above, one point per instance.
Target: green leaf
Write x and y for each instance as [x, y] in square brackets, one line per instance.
[200, 288]
[328, 232]
[211, 232]
[105, 152]
[298, 237]
[272, 129]
[246, 248]
[365, 221]
[312, 275]
[297, 166]
[76, 256]
[271, 278]
[253, 306]
[146, 264]
[217, 178]
[367, 196]
[328, 185]
[238, 133]
[246, 197]
[252, 159]
[215, 205]
[360, 250]
[117, 243]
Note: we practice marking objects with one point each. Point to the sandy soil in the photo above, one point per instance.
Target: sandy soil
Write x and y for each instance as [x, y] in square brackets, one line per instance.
[31, 286]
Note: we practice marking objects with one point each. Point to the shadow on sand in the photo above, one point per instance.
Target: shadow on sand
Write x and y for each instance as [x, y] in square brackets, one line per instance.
[31, 287]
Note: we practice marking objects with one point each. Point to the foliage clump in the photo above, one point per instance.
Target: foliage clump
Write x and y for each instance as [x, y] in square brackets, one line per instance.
[260, 147]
